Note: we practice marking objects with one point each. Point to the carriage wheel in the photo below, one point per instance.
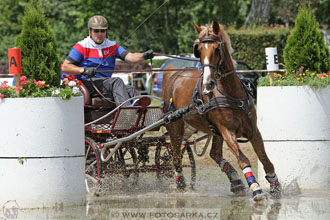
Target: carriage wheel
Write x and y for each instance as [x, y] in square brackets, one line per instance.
[124, 161]
[164, 163]
[129, 162]
[93, 165]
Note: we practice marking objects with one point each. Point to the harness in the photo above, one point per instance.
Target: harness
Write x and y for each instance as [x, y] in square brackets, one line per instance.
[224, 101]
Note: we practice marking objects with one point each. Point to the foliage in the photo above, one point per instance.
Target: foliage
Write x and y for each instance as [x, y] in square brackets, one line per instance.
[249, 45]
[284, 12]
[157, 63]
[34, 88]
[169, 30]
[306, 78]
[306, 56]
[39, 57]
[305, 45]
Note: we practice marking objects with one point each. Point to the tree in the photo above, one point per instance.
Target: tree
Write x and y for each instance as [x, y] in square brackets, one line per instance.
[40, 60]
[305, 45]
[259, 13]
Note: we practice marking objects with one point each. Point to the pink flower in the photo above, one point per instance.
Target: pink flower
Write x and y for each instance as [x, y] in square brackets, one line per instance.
[2, 96]
[18, 88]
[328, 73]
[23, 78]
[320, 75]
[4, 85]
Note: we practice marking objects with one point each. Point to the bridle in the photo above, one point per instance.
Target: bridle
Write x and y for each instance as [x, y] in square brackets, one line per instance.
[215, 39]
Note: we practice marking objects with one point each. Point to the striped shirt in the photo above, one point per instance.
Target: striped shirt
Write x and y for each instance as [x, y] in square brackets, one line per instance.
[87, 53]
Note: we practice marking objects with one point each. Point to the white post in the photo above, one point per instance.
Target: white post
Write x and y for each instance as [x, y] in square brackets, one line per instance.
[272, 62]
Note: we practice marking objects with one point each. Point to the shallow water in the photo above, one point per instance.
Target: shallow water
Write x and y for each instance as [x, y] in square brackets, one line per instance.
[210, 199]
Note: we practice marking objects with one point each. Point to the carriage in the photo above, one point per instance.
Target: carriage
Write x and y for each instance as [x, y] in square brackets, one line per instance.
[143, 147]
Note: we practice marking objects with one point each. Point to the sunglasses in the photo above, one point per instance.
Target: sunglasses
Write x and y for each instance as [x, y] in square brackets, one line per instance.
[99, 30]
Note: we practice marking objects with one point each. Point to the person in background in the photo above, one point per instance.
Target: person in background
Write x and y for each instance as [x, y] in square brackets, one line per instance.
[96, 53]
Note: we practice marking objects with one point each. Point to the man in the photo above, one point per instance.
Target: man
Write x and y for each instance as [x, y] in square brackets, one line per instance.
[97, 53]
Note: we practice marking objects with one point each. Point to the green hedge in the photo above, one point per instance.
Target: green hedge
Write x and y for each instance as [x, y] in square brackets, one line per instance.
[249, 45]
[157, 63]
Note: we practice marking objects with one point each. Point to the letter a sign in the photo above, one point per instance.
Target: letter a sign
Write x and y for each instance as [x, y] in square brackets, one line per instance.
[15, 61]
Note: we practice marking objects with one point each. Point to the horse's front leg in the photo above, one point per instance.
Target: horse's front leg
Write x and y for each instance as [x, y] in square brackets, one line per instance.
[258, 146]
[236, 183]
[244, 164]
[176, 131]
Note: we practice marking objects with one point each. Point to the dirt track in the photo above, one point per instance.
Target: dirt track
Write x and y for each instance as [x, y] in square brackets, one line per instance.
[247, 149]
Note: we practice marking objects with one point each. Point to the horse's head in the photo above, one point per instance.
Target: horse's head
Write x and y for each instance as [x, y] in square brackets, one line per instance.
[214, 44]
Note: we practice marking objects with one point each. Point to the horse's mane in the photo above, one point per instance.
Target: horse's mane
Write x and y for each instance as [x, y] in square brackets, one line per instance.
[223, 34]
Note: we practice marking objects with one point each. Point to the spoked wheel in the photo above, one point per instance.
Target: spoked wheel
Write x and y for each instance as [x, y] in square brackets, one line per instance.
[164, 162]
[124, 162]
[93, 165]
[165, 168]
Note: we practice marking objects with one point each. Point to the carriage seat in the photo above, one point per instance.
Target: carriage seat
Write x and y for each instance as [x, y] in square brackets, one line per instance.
[95, 101]
[98, 101]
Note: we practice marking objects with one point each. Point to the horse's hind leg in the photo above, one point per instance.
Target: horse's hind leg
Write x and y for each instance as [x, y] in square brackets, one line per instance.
[176, 131]
[244, 164]
[237, 185]
[258, 146]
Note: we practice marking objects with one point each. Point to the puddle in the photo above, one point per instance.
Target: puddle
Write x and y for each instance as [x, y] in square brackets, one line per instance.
[211, 199]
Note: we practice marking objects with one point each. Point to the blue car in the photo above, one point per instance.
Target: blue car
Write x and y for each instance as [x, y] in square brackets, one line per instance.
[249, 78]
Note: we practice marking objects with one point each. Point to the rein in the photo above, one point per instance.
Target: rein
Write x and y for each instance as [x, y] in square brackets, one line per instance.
[223, 101]
[215, 39]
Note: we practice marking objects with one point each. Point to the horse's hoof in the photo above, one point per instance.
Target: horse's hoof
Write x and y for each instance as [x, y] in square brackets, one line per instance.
[275, 191]
[181, 186]
[238, 188]
[258, 195]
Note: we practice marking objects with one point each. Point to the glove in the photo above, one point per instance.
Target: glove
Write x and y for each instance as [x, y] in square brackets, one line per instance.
[90, 71]
[149, 54]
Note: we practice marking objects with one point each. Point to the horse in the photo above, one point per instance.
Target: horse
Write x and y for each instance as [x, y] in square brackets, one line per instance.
[213, 100]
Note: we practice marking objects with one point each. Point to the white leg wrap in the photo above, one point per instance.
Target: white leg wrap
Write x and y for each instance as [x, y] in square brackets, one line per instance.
[255, 187]
[178, 174]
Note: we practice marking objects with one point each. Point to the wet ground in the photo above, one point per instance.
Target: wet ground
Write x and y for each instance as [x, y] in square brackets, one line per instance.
[211, 199]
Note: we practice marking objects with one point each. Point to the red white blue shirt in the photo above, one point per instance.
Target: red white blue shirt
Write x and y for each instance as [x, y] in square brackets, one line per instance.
[87, 53]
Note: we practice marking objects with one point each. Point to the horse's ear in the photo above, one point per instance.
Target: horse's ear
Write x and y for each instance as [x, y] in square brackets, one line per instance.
[215, 27]
[197, 28]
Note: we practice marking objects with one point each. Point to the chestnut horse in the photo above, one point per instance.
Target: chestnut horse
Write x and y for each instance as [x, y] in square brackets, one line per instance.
[221, 108]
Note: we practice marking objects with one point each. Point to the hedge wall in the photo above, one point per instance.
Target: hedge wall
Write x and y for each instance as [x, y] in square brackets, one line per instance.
[249, 45]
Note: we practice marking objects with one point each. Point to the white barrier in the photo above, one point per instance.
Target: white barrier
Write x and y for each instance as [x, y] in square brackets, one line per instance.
[295, 124]
[42, 152]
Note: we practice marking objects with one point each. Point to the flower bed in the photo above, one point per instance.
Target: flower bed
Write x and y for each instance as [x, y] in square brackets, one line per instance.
[34, 88]
[300, 78]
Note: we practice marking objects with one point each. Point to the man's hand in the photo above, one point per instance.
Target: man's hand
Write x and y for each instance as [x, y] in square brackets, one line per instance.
[90, 71]
[149, 54]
